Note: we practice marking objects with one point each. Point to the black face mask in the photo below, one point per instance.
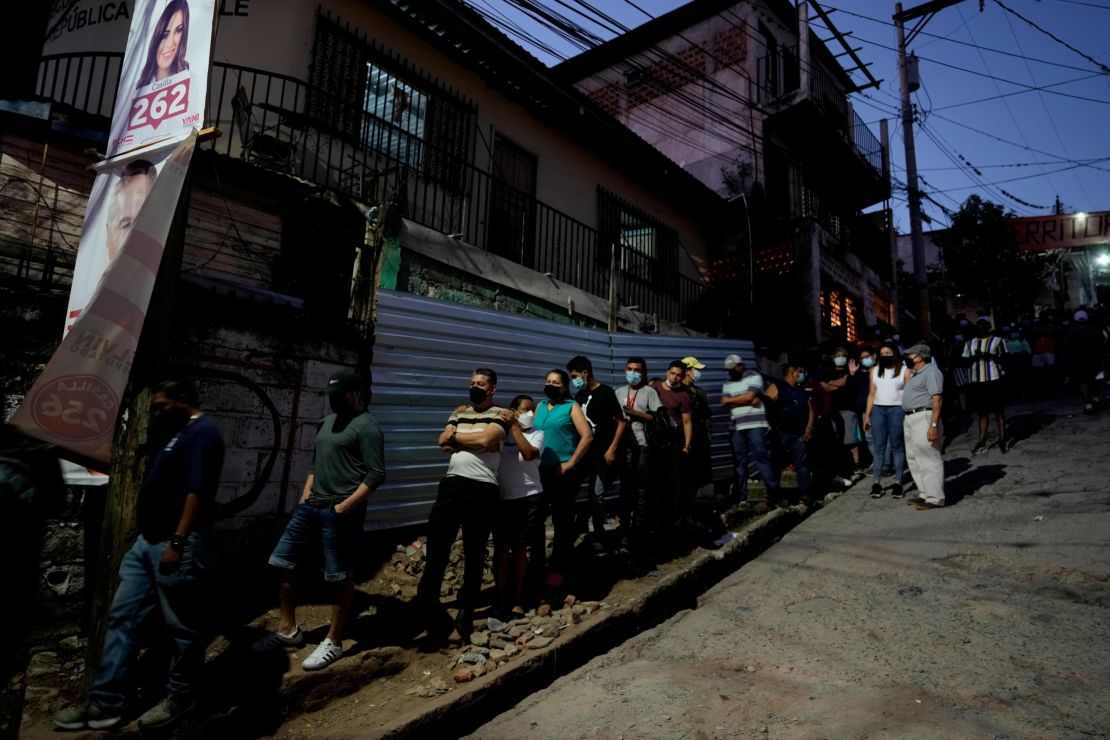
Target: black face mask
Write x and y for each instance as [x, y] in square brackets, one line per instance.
[553, 392]
[735, 373]
[478, 395]
[886, 361]
[910, 363]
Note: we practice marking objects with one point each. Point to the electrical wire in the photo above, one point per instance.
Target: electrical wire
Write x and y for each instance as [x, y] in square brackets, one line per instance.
[1053, 36]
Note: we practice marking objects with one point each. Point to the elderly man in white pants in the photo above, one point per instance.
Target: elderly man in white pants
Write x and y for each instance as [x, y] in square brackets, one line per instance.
[921, 400]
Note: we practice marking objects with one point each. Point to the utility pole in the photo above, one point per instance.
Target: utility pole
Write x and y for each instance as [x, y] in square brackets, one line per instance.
[925, 12]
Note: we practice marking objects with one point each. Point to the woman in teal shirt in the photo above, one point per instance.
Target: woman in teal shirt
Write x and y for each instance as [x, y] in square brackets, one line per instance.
[567, 436]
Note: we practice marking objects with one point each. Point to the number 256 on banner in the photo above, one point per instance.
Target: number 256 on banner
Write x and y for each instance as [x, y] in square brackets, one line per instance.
[150, 109]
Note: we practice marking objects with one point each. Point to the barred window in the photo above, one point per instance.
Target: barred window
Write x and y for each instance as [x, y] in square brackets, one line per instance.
[337, 79]
[648, 248]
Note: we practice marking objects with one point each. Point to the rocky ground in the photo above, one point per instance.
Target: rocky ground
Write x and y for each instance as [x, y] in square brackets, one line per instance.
[384, 678]
[987, 618]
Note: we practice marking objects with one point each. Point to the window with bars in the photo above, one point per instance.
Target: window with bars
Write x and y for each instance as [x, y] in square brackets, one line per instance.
[648, 248]
[406, 119]
[840, 314]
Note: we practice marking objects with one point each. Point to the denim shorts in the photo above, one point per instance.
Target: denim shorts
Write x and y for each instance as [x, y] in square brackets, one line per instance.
[337, 533]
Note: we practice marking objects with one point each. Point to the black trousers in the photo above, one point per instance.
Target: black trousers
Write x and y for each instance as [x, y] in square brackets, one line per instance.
[638, 494]
[469, 504]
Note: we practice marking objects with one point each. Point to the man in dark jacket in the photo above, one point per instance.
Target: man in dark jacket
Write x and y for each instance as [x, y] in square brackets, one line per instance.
[1084, 354]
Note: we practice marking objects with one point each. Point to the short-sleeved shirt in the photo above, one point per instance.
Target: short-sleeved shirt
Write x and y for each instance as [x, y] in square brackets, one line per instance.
[560, 437]
[676, 402]
[989, 367]
[479, 466]
[602, 410]
[791, 408]
[519, 477]
[189, 463]
[746, 417]
[346, 456]
[922, 386]
[645, 399]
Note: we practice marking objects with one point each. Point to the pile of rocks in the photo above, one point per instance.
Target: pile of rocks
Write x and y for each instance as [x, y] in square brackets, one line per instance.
[494, 642]
[407, 563]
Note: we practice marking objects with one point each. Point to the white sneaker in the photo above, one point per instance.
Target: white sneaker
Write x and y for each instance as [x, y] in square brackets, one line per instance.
[326, 653]
[276, 640]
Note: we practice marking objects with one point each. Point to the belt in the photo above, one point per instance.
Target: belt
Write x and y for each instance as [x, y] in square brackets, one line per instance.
[919, 408]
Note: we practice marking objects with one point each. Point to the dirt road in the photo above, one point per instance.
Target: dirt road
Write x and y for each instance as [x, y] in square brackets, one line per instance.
[988, 618]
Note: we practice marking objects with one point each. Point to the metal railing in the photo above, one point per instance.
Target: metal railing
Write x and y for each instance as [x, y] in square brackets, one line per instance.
[265, 119]
[777, 78]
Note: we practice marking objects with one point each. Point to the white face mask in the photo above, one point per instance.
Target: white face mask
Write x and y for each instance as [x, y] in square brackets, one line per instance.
[526, 419]
[840, 361]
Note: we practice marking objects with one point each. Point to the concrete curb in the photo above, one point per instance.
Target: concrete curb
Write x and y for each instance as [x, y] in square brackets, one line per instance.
[458, 714]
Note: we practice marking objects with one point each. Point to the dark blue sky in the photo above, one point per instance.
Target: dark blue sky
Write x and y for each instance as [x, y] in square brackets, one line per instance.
[1045, 133]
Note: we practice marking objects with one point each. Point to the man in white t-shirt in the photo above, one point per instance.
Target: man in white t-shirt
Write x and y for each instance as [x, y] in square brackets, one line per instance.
[742, 396]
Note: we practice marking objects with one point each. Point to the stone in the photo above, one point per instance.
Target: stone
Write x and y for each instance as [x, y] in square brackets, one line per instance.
[569, 600]
[496, 643]
[493, 624]
[543, 610]
[525, 639]
[43, 664]
[568, 617]
[540, 642]
[591, 606]
[497, 655]
[463, 676]
[479, 639]
[511, 650]
[580, 610]
[517, 631]
[472, 657]
[73, 643]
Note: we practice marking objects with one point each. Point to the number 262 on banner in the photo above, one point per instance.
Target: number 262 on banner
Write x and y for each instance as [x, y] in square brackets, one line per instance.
[151, 108]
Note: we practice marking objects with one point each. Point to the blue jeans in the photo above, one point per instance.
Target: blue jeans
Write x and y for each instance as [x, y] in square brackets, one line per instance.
[178, 597]
[796, 450]
[886, 428]
[755, 442]
[338, 534]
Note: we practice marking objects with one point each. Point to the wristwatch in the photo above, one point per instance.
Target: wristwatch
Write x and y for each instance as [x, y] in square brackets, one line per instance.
[933, 424]
[177, 543]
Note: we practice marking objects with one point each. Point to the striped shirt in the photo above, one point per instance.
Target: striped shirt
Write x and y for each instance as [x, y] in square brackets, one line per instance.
[746, 417]
[988, 367]
[479, 466]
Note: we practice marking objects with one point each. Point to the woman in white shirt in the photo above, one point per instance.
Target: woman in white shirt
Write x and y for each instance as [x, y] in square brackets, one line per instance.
[883, 418]
[520, 507]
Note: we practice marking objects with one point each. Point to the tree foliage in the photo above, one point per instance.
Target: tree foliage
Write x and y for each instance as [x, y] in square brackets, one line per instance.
[982, 262]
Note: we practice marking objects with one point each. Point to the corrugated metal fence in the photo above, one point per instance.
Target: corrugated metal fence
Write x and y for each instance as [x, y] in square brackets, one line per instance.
[424, 353]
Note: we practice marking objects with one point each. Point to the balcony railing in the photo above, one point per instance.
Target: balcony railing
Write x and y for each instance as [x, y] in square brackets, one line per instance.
[778, 78]
[266, 119]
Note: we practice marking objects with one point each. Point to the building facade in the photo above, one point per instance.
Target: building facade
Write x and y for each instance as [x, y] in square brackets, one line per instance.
[746, 98]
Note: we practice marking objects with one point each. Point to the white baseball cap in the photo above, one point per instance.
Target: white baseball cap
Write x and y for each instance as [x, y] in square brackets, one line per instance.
[732, 361]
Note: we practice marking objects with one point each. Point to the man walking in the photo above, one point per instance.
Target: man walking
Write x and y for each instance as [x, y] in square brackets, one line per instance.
[599, 402]
[467, 496]
[1084, 356]
[347, 467]
[987, 391]
[165, 569]
[921, 401]
[741, 395]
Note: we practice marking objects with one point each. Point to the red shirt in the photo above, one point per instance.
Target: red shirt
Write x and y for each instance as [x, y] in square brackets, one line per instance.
[676, 402]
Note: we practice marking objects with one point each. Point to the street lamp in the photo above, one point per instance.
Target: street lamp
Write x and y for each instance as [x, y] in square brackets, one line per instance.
[1103, 260]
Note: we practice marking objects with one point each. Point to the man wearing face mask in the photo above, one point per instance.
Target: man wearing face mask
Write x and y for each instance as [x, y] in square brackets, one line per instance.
[466, 499]
[794, 420]
[840, 384]
[741, 395]
[599, 402]
[348, 465]
[677, 401]
[639, 403]
[922, 399]
[165, 568]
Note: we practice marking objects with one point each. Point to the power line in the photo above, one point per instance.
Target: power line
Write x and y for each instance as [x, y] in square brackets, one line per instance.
[1089, 5]
[1053, 36]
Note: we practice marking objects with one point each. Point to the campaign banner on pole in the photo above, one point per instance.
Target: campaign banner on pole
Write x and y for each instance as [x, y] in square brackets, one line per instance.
[76, 400]
[163, 84]
[117, 196]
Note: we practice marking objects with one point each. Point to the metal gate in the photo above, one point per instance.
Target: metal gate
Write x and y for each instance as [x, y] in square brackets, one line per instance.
[425, 351]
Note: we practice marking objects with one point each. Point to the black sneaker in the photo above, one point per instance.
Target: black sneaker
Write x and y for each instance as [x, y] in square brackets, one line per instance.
[1003, 446]
[876, 491]
[896, 491]
[979, 448]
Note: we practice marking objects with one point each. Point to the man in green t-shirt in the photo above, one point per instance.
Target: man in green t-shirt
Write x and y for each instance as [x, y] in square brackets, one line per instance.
[348, 466]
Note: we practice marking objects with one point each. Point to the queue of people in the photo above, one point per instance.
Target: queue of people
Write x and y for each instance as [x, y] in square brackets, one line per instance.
[510, 468]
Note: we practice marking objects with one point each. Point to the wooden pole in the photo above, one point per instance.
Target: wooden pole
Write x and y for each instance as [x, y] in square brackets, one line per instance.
[129, 458]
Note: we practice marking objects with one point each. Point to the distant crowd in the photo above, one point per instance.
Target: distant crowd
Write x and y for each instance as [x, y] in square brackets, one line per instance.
[821, 424]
